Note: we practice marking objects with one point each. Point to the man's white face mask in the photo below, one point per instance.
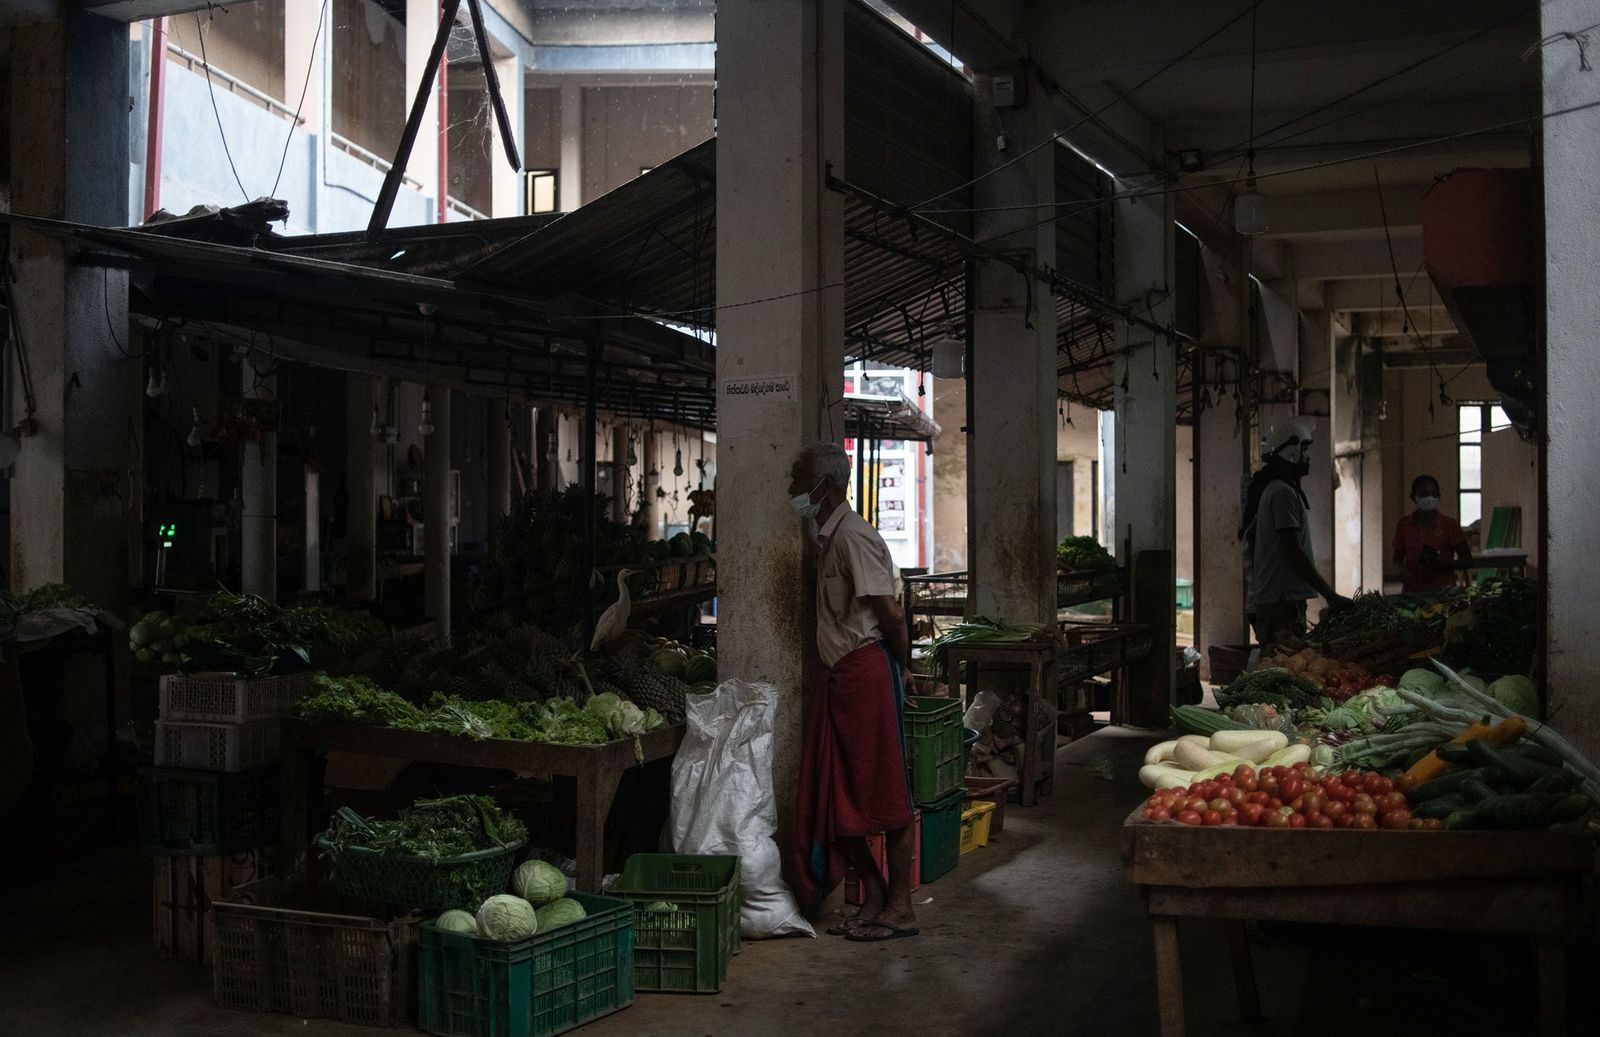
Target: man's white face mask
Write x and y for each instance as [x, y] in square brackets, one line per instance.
[802, 504]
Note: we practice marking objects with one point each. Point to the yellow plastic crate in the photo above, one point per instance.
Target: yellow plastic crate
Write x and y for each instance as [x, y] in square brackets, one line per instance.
[975, 825]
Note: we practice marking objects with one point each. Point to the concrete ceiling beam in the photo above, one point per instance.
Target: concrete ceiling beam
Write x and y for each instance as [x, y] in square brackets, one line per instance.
[1366, 257]
[1365, 295]
[131, 10]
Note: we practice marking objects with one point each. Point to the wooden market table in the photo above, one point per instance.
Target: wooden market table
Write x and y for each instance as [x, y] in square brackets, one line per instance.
[1513, 883]
[596, 770]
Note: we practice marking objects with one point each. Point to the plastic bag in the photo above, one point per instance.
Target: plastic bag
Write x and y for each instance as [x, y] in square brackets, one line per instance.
[722, 800]
[980, 715]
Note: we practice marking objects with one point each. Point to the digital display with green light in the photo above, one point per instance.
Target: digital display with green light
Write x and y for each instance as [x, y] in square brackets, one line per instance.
[168, 532]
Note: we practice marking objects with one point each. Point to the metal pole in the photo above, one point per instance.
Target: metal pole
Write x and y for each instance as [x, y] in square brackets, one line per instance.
[590, 516]
[491, 80]
[419, 105]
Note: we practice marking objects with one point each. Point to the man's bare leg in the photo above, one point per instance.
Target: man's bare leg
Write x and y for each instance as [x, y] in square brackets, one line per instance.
[874, 893]
[896, 913]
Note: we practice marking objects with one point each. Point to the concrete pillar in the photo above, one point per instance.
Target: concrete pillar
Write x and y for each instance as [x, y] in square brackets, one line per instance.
[1572, 312]
[258, 491]
[422, 24]
[505, 182]
[1011, 491]
[780, 237]
[69, 160]
[1110, 539]
[619, 473]
[649, 482]
[1221, 468]
[547, 449]
[361, 496]
[1146, 456]
[1348, 458]
[500, 482]
[1315, 368]
[569, 178]
[313, 539]
[436, 514]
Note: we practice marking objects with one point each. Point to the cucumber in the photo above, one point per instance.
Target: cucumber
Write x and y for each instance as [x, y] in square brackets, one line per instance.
[1568, 808]
[1514, 812]
[1454, 753]
[1445, 784]
[1440, 806]
[1539, 754]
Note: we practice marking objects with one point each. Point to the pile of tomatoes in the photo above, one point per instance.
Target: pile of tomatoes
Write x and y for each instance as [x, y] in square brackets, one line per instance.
[1290, 797]
[1348, 681]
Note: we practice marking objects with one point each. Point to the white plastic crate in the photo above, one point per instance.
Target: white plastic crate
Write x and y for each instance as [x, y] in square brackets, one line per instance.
[216, 747]
[225, 698]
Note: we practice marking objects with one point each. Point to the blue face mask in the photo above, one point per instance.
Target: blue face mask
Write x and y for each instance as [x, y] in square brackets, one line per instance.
[802, 504]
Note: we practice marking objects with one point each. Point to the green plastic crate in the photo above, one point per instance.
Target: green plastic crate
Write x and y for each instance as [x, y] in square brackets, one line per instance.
[207, 813]
[933, 743]
[418, 882]
[941, 835]
[534, 987]
[685, 948]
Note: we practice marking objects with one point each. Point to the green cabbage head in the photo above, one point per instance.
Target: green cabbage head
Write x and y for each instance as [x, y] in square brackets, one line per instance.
[505, 917]
[560, 912]
[457, 921]
[1517, 693]
[538, 882]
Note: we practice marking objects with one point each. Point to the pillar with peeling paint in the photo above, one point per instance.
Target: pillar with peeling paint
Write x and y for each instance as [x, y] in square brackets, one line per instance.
[780, 237]
[436, 514]
[258, 491]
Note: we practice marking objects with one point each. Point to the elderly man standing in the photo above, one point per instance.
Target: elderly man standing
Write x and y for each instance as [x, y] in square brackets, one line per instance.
[853, 763]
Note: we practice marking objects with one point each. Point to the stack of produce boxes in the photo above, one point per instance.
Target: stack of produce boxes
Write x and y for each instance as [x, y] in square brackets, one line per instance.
[208, 809]
[936, 761]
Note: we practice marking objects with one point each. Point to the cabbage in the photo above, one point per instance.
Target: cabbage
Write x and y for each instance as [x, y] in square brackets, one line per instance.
[1517, 693]
[603, 707]
[457, 921]
[539, 882]
[1423, 682]
[560, 912]
[505, 917]
[628, 720]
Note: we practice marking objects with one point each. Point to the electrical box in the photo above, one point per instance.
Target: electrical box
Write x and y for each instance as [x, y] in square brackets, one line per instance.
[1009, 89]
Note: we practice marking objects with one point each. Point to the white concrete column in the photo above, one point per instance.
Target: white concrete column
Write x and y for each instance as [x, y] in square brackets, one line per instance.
[1221, 468]
[422, 24]
[1348, 460]
[1011, 494]
[648, 483]
[361, 497]
[569, 178]
[780, 237]
[500, 482]
[1315, 367]
[1146, 456]
[258, 493]
[1572, 313]
[69, 160]
[436, 513]
[505, 182]
[619, 473]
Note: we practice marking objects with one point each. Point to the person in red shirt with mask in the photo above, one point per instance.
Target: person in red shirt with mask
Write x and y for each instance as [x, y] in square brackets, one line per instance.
[1428, 547]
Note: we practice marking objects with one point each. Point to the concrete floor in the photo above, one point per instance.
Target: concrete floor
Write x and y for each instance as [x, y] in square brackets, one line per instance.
[1038, 933]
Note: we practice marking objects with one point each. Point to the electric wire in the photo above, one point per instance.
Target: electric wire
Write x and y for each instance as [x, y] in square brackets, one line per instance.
[211, 89]
[1123, 96]
[304, 87]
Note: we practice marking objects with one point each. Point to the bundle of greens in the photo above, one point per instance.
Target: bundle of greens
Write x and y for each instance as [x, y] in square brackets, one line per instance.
[1084, 554]
[434, 829]
[14, 605]
[248, 635]
[977, 631]
[1272, 686]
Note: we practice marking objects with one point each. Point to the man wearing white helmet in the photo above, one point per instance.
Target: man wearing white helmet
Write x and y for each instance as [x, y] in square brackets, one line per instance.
[1277, 534]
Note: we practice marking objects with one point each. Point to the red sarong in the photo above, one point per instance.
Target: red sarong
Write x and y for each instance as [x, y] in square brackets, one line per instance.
[852, 766]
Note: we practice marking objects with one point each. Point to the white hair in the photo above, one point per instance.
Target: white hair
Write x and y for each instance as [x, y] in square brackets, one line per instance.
[830, 462]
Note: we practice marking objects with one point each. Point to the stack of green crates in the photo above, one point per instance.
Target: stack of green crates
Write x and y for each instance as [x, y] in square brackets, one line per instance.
[685, 920]
[936, 760]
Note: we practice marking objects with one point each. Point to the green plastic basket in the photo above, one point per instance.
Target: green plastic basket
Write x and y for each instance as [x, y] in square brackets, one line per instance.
[540, 985]
[933, 743]
[207, 813]
[685, 945]
[418, 882]
[941, 835]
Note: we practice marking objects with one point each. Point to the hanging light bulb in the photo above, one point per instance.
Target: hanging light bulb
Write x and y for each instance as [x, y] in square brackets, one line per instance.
[194, 430]
[376, 428]
[425, 426]
[633, 455]
[1252, 212]
[157, 385]
[949, 355]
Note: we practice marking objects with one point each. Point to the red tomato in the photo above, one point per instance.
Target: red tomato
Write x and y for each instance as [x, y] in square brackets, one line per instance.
[1194, 803]
[1319, 821]
[1235, 795]
[1354, 778]
[1158, 813]
[1297, 820]
[1346, 821]
[1243, 773]
[1291, 787]
[1407, 782]
[1269, 784]
[1211, 818]
[1189, 817]
[1218, 804]
[1335, 808]
[1250, 813]
[1229, 819]
[1391, 801]
[1397, 819]
[1373, 784]
[1415, 824]
[1275, 819]
[1364, 804]
[1364, 823]
[1314, 801]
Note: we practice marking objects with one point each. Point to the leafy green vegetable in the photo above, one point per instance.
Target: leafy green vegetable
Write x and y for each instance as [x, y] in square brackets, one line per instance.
[248, 635]
[435, 829]
[1517, 693]
[562, 912]
[1084, 554]
[505, 917]
[14, 605]
[1273, 686]
[977, 631]
[538, 882]
[458, 921]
